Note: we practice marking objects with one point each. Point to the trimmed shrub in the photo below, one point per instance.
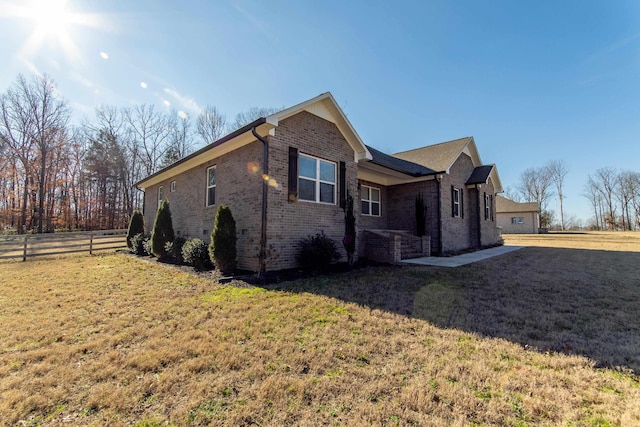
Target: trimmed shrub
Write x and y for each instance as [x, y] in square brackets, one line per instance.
[136, 226]
[174, 249]
[349, 239]
[223, 240]
[140, 244]
[162, 230]
[317, 252]
[195, 253]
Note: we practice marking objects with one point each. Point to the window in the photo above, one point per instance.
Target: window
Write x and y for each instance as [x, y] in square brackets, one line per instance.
[488, 213]
[316, 180]
[211, 186]
[160, 194]
[517, 220]
[456, 202]
[173, 187]
[370, 201]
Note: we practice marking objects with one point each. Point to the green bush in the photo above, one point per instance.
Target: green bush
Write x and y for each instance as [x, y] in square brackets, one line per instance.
[223, 240]
[136, 226]
[317, 252]
[195, 253]
[174, 249]
[140, 244]
[162, 230]
[349, 239]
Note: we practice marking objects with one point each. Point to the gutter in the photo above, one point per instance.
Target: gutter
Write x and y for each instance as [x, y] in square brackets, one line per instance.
[262, 257]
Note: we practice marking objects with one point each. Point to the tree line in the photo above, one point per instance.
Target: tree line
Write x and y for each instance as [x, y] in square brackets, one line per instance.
[614, 196]
[59, 176]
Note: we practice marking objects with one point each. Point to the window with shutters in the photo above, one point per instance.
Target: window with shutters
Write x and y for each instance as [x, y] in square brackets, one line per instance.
[370, 201]
[316, 180]
[160, 195]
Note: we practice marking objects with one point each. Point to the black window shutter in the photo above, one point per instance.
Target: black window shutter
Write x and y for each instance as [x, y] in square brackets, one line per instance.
[453, 201]
[485, 206]
[491, 206]
[343, 184]
[293, 174]
[461, 203]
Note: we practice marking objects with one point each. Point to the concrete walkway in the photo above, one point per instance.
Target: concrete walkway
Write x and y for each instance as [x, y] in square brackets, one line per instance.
[464, 259]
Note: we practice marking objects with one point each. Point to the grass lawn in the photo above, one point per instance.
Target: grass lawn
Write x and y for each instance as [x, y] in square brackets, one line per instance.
[547, 335]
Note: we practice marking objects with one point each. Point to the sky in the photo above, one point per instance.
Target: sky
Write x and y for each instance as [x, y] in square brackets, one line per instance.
[531, 81]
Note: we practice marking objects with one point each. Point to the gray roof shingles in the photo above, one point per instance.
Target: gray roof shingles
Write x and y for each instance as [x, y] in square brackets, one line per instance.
[399, 165]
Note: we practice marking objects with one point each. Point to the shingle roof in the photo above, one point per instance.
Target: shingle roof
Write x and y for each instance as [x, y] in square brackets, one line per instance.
[480, 175]
[438, 157]
[399, 165]
[504, 205]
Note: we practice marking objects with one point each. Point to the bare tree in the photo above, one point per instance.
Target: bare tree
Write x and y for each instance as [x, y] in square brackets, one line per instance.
[148, 130]
[592, 193]
[535, 186]
[210, 125]
[628, 188]
[607, 184]
[16, 129]
[252, 114]
[557, 170]
[180, 139]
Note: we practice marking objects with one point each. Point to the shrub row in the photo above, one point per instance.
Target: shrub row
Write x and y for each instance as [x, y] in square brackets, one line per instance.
[316, 252]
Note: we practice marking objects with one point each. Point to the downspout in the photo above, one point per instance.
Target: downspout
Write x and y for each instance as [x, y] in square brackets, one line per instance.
[478, 217]
[438, 179]
[262, 257]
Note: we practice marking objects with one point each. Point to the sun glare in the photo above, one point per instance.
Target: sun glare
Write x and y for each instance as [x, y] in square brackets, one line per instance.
[50, 22]
[50, 17]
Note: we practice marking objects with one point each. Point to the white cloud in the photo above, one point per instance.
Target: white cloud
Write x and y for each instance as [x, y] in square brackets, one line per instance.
[186, 102]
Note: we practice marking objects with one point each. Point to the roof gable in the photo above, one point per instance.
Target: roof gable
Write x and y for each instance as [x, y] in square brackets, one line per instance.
[326, 107]
[440, 157]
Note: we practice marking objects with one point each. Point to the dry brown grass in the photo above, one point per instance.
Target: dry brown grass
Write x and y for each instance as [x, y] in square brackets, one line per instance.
[114, 340]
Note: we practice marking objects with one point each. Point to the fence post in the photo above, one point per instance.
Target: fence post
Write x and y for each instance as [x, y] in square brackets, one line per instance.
[24, 252]
[91, 243]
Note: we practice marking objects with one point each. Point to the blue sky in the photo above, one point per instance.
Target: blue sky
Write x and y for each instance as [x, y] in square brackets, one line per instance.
[532, 81]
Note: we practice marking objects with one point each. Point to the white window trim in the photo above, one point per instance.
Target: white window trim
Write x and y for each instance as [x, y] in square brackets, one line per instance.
[210, 186]
[457, 213]
[379, 202]
[317, 181]
[172, 187]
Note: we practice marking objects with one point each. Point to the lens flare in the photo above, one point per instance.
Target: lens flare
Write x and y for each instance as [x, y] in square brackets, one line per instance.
[182, 115]
[104, 55]
[143, 85]
[253, 168]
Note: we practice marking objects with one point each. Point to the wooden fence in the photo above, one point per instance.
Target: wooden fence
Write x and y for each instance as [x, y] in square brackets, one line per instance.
[31, 245]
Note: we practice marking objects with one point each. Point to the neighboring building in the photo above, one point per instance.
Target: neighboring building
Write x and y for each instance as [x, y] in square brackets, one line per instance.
[316, 158]
[517, 218]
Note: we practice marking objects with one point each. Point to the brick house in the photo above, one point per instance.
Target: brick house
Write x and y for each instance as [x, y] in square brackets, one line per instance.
[315, 158]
